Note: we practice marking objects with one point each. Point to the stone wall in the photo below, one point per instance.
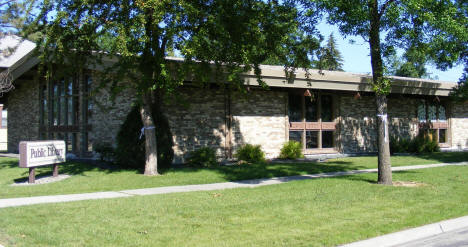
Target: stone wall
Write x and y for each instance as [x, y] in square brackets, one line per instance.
[107, 114]
[199, 119]
[196, 119]
[459, 125]
[260, 118]
[403, 118]
[23, 114]
[357, 124]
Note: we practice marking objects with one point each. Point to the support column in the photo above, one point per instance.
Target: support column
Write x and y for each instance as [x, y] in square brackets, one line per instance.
[32, 175]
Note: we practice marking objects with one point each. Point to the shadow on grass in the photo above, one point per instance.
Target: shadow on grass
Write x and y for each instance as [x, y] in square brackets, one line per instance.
[69, 167]
[445, 157]
[229, 173]
[269, 170]
[371, 181]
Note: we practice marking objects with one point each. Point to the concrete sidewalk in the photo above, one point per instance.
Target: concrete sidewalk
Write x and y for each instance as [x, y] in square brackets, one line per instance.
[403, 237]
[22, 201]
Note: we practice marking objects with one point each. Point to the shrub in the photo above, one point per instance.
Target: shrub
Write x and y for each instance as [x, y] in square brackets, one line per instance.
[250, 153]
[420, 144]
[130, 151]
[105, 150]
[399, 145]
[203, 157]
[291, 150]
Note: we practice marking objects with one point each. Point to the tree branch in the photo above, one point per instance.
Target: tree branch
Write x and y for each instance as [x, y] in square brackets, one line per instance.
[384, 7]
[7, 2]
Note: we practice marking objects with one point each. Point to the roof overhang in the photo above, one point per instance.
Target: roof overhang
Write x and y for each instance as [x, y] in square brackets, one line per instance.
[16, 55]
[274, 76]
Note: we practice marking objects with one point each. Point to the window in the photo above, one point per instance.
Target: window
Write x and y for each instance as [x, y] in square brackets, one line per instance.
[61, 113]
[311, 120]
[432, 116]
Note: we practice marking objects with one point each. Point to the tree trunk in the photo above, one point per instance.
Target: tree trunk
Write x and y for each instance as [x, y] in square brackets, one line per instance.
[151, 151]
[384, 167]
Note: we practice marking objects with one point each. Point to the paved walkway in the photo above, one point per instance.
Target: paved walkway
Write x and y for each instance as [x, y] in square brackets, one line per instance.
[456, 238]
[22, 201]
[453, 232]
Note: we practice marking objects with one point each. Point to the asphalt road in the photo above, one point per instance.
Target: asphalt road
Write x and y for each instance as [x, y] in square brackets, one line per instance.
[456, 238]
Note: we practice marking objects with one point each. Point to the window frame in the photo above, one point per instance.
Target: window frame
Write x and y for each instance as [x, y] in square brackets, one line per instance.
[54, 118]
[319, 126]
[437, 124]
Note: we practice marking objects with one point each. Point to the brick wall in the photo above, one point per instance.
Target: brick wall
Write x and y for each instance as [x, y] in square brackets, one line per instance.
[196, 119]
[199, 119]
[357, 125]
[402, 112]
[23, 114]
[260, 117]
[459, 125]
[108, 114]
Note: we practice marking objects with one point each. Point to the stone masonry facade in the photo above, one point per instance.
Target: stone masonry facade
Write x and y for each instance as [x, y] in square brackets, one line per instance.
[23, 114]
[357, 121]
[202, 117]
[459, 126]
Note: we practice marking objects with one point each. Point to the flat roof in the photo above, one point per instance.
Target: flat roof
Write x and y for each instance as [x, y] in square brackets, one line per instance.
[13, 49]
[273, 76]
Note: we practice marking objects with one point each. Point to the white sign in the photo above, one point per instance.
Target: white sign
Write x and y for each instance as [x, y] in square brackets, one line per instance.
[39, 153]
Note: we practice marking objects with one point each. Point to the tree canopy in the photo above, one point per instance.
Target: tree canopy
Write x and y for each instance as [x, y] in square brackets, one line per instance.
[329, 57]
[438, 26]
[217, 39]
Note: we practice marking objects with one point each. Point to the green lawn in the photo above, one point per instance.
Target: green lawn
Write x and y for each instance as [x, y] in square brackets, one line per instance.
[320, 212]
[88, 178]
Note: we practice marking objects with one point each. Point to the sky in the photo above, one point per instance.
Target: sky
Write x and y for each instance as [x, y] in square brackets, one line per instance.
[356, 56]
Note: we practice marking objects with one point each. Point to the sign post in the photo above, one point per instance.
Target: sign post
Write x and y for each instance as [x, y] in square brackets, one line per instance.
[41, 153]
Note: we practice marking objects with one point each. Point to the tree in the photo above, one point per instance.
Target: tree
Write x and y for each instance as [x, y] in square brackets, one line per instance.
[385, 24]
[15, 14]
[218, 39]
[330, 57]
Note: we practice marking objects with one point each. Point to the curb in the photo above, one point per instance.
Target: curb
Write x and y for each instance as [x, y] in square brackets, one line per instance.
[412, 234]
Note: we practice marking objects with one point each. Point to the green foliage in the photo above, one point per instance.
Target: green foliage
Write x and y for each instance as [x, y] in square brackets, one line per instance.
[461, 90]
[250, 154]
[15, 15]
[203, 157]
[426, 31]
[420, 144]
[226, 38]
[105, 150]
[130, 151]
[291, 150]
[329, 57]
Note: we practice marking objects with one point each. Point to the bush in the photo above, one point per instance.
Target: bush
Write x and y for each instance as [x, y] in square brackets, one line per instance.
[420, 144]
[105, 150]
[250, 154]
[130, 151]
[291, 150]
[399, 145]
[203, 157]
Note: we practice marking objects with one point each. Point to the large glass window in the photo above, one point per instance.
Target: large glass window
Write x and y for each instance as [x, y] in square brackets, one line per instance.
[311, 120]
[295, 108]
[311, 109]
[327, 108]
[61, 116]
[433, 117]
[295, 136]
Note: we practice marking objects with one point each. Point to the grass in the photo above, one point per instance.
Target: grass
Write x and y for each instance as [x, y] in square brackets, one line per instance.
[88, 178]
[320, 212]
